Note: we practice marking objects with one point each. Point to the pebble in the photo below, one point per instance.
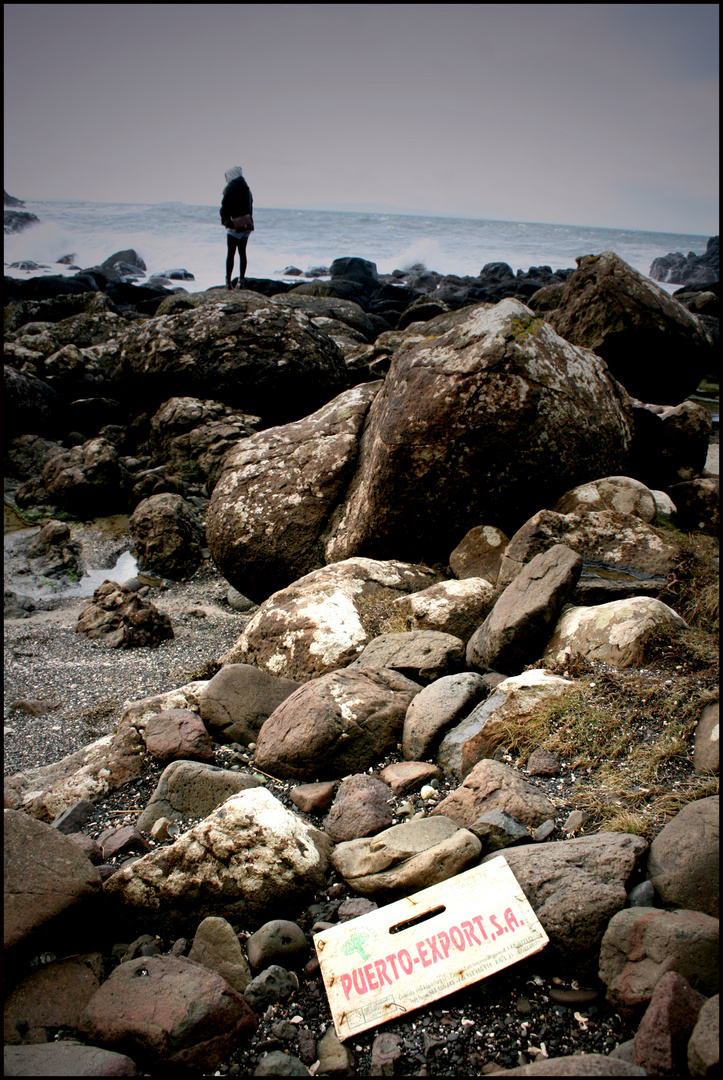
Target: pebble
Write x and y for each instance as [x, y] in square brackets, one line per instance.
[574, 821]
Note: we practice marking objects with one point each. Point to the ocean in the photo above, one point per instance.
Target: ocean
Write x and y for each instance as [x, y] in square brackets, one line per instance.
[178, 236]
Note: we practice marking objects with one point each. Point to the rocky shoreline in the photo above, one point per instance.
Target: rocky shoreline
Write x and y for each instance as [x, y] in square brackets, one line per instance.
[426, 574]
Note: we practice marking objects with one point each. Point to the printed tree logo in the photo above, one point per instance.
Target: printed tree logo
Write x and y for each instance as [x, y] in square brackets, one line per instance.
[357, 943]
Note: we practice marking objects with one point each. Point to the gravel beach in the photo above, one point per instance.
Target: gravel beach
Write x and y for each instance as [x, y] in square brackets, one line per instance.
[79, 687]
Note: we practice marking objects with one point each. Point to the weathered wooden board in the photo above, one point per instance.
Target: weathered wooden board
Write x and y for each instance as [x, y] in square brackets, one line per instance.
[378, 966]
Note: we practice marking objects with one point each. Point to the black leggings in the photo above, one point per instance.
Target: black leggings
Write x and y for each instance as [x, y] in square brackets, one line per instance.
[233, 245]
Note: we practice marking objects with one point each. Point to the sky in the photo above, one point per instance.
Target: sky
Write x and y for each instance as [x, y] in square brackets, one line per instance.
[585, 114]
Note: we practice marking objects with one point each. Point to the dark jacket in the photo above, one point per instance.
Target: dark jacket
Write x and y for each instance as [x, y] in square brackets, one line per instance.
[236, 201]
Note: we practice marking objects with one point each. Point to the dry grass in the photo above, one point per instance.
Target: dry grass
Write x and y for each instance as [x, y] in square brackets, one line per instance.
[696, 581]
[626, 737]
[378, 614]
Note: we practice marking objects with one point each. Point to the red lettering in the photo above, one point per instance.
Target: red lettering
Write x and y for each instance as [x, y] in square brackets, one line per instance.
[360, 984]
[496, 925]
[459, 945]
[346, 985]
[510, 919]
[369, 972]
[436, 954]
[444, 942]
[392, 959]
[470, 934]
[381, 967]
[478, 919]
[401, 957]
[423, 954]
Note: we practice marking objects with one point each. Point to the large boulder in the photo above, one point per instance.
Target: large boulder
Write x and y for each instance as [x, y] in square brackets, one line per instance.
[437, 708]
[485, 421]
[26, 455]
[335, 724]
[423, 655]
[669, 444]
[479, 553]
[494, 786]
[168, 536]
[168, 1009]
[30, 406]
[621, 545]
[45, 875]
[684, 858]
[346, 312]
[620, 493]
[193, 436]
[511, 704]
[406, 857]
[576, 886]
[192, 789]
[519, 625]
[55, 309]
[89, 480]
[450, 607]
[247, 858]
[247, 353]
[324, 620]
[270, 508]
[654, 346]
[81, 330]
[239, 698]
[641, 944]
[614, 633]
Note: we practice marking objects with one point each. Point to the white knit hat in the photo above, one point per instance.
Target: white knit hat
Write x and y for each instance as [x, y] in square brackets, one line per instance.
[233, 174]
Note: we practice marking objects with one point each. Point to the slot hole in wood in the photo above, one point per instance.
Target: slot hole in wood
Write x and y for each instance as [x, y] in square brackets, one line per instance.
[398, 927]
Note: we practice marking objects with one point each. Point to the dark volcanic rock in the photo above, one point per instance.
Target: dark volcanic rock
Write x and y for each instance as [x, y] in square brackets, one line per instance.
[18, 220]
[88, 480]
[123, 619]
[30, 406]
[43, 288]
[168, 536]
[691, 270]
[263, 359]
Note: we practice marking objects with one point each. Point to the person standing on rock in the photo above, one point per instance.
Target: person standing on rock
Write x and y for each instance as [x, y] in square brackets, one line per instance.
[236, 210]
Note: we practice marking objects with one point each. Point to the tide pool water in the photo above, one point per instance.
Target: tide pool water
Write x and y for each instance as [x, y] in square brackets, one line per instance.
[175, 235]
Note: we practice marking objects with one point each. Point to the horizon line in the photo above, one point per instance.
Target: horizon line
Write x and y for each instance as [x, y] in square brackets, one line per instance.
[380, 210]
